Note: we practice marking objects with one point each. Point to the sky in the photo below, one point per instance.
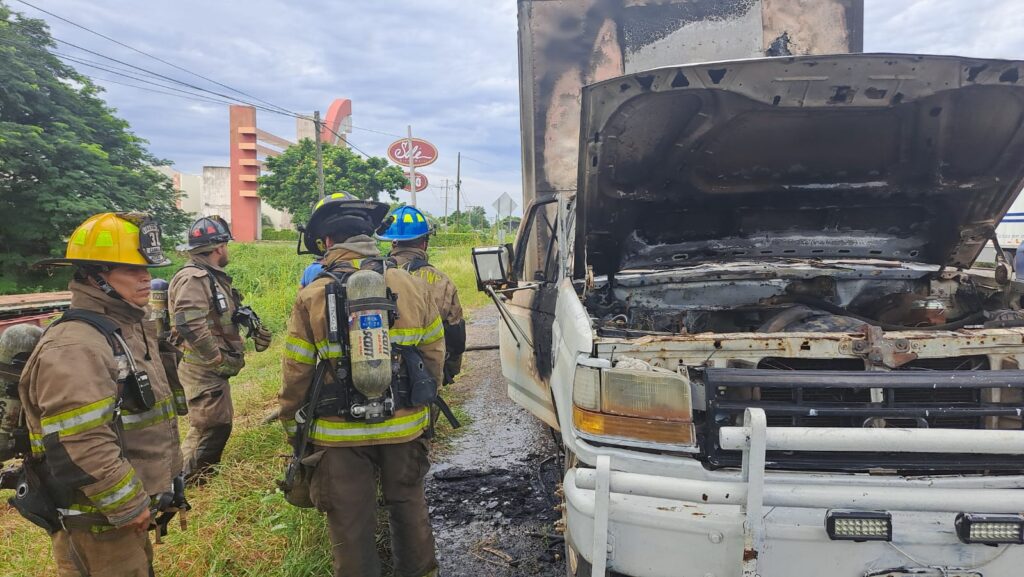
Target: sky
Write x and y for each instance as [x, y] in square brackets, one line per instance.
[449, 68]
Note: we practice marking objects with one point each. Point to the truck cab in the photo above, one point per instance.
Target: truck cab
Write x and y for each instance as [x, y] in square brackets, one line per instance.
[754, 321]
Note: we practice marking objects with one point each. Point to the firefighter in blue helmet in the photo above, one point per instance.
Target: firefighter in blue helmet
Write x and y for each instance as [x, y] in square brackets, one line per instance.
[409, 234]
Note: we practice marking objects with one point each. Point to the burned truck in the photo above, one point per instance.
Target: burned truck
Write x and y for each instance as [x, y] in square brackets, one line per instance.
[754, 317]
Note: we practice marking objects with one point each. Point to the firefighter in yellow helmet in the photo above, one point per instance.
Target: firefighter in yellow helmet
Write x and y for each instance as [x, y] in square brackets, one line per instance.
[363, 360]
[99, 410]
[206, 315]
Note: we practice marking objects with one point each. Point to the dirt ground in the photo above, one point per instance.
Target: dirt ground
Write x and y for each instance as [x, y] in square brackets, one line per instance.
[491, 490]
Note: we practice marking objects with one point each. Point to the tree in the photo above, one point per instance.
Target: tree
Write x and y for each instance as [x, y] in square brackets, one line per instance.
[509, 223]
[292, 182]
[474, 218]
[63, 154]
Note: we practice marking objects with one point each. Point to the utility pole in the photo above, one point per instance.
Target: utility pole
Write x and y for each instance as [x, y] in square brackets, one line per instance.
[319, 155]
[458, 187]
[446, 203]
[412, 169]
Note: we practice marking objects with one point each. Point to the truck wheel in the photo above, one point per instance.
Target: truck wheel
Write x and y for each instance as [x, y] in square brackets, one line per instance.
[575, 565]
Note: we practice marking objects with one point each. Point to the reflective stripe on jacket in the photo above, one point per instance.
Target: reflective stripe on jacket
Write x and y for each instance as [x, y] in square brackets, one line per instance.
[70, 393]
[418, 325]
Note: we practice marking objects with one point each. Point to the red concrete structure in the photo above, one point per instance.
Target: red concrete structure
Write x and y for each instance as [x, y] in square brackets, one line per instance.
[248, 142]
[245, 170]
[340, 110]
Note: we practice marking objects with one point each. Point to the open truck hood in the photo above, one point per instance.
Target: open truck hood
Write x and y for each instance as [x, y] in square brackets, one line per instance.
[880, 156]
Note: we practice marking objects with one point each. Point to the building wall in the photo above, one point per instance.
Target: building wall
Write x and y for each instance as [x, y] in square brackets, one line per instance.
[191, 188]
[280, 218]
[209, 193]
[216, 195]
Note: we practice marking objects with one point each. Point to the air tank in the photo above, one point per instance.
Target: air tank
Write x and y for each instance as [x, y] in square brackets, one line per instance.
[369, 340]
[16, 344]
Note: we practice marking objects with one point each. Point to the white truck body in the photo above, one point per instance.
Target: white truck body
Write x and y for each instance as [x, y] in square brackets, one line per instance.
[917, 418]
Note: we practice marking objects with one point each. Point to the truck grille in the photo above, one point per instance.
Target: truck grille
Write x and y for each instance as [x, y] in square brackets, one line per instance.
[950, 393]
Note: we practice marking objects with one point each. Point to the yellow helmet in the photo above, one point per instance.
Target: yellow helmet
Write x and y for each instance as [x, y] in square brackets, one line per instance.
[114, 238]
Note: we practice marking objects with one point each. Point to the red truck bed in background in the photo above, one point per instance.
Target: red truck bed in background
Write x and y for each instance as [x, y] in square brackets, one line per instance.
[35, 308]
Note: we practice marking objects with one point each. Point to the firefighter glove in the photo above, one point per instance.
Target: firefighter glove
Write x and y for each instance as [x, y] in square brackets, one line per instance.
[261, 338]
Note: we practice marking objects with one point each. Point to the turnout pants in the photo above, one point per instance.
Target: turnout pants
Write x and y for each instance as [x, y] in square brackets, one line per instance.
[344, 486]
[210, 413]
[115, 553]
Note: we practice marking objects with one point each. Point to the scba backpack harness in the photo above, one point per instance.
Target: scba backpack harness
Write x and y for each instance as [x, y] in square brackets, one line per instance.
[39, 496]
[372, 377]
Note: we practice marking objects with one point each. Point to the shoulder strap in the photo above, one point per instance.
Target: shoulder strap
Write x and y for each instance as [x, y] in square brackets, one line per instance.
[105, 326]
[416, 264]
[99, 322]
[335, 274]
[209, 274]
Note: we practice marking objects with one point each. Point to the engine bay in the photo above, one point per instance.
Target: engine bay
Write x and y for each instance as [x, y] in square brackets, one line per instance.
[795, 297]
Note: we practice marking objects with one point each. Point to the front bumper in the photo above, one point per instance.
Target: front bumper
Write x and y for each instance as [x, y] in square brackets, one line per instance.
[774, 526]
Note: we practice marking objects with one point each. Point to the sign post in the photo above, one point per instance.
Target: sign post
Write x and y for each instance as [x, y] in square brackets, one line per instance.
[505, 205]
[412, 153]
[412, 170]
[417, 183]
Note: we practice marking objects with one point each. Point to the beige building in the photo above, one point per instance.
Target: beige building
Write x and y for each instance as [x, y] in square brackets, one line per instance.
[209, 193]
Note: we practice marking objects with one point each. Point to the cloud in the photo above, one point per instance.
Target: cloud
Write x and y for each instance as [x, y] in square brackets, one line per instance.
[980, 28]
[447, 67]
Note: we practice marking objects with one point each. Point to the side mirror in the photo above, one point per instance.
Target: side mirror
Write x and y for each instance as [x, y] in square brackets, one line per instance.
[493, 266]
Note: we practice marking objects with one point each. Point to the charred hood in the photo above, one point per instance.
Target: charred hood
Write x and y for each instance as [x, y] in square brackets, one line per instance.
[904, 157]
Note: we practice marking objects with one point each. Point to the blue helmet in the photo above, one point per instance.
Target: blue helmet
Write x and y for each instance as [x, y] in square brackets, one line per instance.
[409, 224]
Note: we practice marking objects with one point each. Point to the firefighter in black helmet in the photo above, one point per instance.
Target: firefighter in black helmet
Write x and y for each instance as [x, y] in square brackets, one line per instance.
[345, 434]
[207, 315]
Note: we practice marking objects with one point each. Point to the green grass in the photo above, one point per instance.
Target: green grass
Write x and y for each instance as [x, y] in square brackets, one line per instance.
[241, 525]
[457, 263]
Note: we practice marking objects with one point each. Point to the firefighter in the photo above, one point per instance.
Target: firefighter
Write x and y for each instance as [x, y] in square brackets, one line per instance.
[349, 451]
[100, 411]
[204, 312]
[409, 234]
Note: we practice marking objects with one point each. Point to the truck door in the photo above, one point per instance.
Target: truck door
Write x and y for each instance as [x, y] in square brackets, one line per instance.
[527, 355]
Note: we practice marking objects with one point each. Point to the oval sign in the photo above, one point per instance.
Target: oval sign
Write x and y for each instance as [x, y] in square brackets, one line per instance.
[421, 182]
[422, 152]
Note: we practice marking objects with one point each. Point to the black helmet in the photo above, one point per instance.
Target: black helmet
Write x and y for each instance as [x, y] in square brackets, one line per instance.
[207, 231]
[341, 210]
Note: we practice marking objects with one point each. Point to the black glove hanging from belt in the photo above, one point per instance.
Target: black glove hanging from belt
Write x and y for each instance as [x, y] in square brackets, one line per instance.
[171, 504]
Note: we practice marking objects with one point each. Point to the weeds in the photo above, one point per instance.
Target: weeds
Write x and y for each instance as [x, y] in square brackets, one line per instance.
[241, 525]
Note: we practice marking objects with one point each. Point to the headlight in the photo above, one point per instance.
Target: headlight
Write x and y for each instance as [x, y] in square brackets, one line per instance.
[633, 407]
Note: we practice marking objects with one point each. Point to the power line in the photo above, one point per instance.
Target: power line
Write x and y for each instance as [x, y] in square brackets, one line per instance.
[123, 72]
[193, 98]
[190, 95]
[480, 161]
[198, 97]
[229, 99]
[344, 139]
[140, 79]
[158, 59]
[378, 132]
[234, 99]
